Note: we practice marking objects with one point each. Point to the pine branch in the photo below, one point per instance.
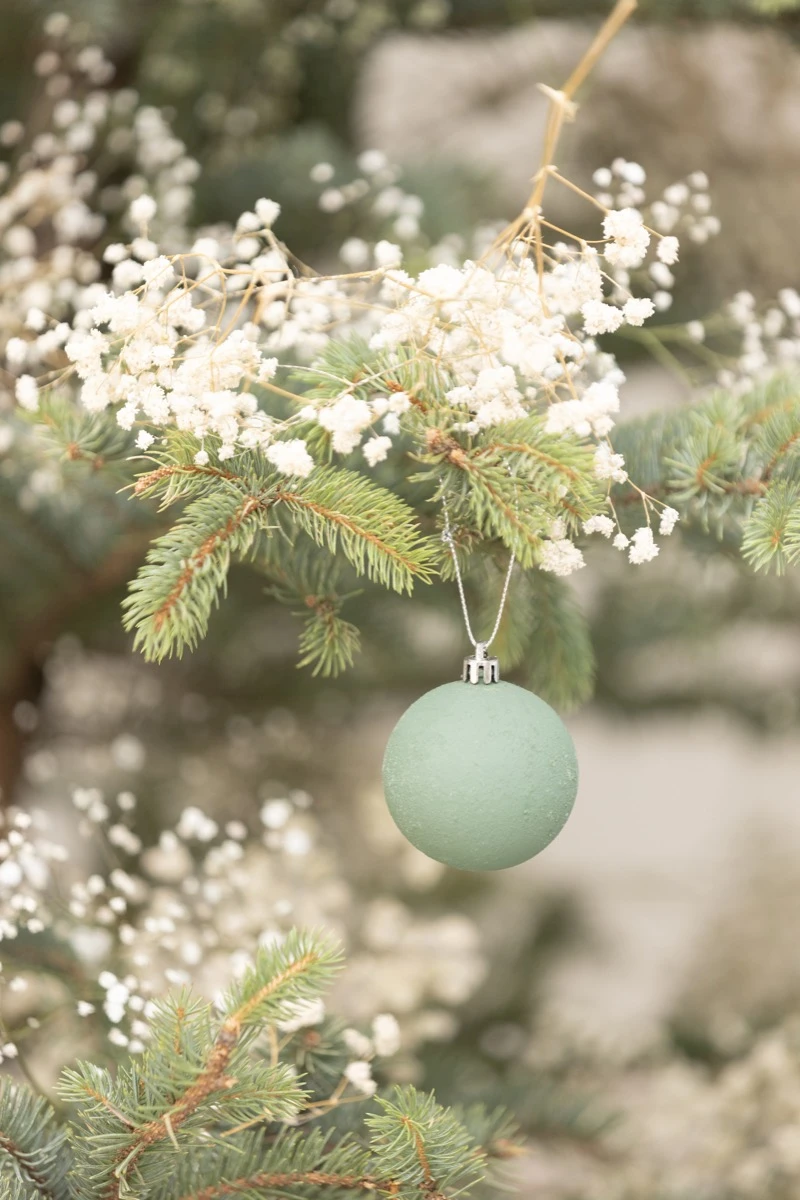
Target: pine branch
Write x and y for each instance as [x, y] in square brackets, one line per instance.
[423, 1146]
[374, 529]
[562, 657]
[210, 1110]
[289, 1166]
[772, 535]
[34, 1156]
[186, 570]
[95, 439]
[176, 476]
[328, 644]
[176, 481]
[514, 482]
[306, 579]
[195, 1073]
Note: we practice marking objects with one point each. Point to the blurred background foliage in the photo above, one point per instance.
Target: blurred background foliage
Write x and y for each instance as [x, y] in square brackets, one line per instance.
[260, 92]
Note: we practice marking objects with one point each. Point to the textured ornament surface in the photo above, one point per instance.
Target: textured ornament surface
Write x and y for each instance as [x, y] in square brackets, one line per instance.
[480, 776]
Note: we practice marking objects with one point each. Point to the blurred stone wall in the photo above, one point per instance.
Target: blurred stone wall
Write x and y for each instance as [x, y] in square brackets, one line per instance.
[721, 98]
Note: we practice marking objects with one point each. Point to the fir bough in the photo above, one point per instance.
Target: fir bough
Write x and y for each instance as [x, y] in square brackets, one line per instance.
[224, 1101]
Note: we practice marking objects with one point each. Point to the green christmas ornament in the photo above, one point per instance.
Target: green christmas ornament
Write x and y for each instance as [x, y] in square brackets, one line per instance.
[480, 775]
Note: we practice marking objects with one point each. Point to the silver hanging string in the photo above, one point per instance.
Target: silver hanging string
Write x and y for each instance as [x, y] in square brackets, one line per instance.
[447, 538]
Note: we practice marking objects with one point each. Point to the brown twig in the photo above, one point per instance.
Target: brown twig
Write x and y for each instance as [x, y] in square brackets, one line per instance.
[25, 1167]
[283, 1179]
[213, 1078]
[198, 559]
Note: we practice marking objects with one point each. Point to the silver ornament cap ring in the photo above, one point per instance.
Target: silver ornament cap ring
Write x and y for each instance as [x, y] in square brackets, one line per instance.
[478, 668]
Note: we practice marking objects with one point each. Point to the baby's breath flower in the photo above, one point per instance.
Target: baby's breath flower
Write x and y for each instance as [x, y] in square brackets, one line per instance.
[669, 519]
[142, 210]
[290, 457]
[637, 310]
[345, 419]
[26, 390]
[16, 351]
[599, 317]
[387, 254]
[608, 465]
[359, 1074]
[377, 449]
[386, 1034]
[667, 250]
[561, 557]
[599, 524]
[267, 212]
[358, 1043]
[354, 253]
[627, 237]
[642, 548]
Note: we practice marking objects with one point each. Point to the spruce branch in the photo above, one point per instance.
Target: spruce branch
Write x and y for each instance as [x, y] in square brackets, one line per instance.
[176, 481]
[95, 439]
[34, 1155]
[203, 1113]
[562, 661]
[514, 482]
[195, 1073]
[423, 1146]
[306, 579]
[289, 1166]
[186, 570]
[376, 531]
[176, 476]
[185, 573]
[731, 463]
[772, 534]
[328, 643]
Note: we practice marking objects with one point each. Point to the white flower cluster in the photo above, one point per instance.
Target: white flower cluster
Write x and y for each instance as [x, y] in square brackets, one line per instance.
[589, 416]
[53, 204]
[632, 225]
[768, 336]
[191, 330]
[376, 191]
[560, 556]
[147, 352]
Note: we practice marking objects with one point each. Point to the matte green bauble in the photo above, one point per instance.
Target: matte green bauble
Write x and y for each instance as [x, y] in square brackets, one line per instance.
[480, 776]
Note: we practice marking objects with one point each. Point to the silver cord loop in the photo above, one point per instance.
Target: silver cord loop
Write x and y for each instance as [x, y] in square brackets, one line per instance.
[447, 538]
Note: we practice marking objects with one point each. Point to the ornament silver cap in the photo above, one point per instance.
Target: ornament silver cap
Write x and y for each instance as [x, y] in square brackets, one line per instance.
[480, 669]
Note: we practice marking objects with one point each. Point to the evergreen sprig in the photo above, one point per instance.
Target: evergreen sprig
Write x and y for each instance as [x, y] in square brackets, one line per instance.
[307, 580]
[34, 1157]
[95, 439]
[513, 482]
[186, 570]
[423, 1146]
[730, 464]
[217, 1106]
[375, 530]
